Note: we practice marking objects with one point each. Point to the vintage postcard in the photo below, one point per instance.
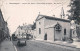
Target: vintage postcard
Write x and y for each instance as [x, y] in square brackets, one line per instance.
[39, 25]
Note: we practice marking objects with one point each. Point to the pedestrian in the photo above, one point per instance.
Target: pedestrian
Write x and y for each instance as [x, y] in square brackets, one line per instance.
[10, 38]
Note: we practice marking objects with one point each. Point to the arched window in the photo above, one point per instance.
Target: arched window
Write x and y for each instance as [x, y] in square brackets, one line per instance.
[39, 30]
[57, 27]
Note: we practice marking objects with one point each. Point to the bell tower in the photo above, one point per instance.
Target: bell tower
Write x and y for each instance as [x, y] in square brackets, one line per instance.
[62, 13]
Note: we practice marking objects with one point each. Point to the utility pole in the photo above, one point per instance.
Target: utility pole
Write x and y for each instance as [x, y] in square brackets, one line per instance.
[7, 19]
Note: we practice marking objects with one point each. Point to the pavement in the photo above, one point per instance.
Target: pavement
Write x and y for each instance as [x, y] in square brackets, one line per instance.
[42, 46]
[37, 45]
[75, 44]
[7, 45]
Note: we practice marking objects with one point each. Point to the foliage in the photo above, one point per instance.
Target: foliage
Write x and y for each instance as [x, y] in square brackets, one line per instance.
[13, 35]
[33, 26]
[75, 10]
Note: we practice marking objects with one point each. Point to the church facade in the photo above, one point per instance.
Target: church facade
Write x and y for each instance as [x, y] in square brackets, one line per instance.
[52, 28]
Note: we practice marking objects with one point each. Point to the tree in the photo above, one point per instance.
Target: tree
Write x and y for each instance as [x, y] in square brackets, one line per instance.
[34, 26]
[13, 35]
[75, 11]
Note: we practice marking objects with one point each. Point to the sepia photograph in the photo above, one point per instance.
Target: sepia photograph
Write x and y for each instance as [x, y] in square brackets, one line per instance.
[39, 25]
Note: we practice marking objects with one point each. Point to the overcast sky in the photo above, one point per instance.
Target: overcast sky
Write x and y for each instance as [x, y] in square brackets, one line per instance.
[17, 14]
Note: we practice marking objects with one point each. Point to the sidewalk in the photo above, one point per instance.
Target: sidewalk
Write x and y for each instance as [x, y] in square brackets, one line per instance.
[62, 43]
[7, 45]
[77, 44]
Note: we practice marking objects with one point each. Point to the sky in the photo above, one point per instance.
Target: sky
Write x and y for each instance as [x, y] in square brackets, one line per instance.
[17, 12]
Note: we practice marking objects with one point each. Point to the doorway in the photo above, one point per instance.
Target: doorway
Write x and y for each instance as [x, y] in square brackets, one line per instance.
[45, 36]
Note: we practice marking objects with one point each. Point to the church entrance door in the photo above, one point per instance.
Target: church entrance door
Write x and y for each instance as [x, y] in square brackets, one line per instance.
[57, 32]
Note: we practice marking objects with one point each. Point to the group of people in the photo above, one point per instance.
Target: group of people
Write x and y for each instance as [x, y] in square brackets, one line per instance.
[8, 38]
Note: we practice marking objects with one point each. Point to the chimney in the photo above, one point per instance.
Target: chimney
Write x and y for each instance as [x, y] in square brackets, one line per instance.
[53, 15]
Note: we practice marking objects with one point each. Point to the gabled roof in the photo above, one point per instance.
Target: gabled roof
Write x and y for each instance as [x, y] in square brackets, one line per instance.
[51, 18]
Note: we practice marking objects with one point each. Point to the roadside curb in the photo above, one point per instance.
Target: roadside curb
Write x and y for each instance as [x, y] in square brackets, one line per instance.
[15, 48]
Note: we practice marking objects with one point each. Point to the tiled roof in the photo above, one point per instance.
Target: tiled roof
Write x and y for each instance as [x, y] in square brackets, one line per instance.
[53, 18]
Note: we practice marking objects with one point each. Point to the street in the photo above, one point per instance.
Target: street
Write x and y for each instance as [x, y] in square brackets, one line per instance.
[41, 46]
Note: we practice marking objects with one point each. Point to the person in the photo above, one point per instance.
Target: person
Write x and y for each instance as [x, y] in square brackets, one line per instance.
[10, 38]
[6, 38]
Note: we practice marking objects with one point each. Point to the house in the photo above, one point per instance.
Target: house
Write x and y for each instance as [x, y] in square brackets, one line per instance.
[34, 33]
[23, 30]
[4, 30]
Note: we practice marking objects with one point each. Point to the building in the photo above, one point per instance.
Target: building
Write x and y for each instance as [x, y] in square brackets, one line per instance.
[73, 29]
[34, 30]
[24, 30]
[34, 33]
[52, 28]
[1, 26]
[20, 31]
[4, 31]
